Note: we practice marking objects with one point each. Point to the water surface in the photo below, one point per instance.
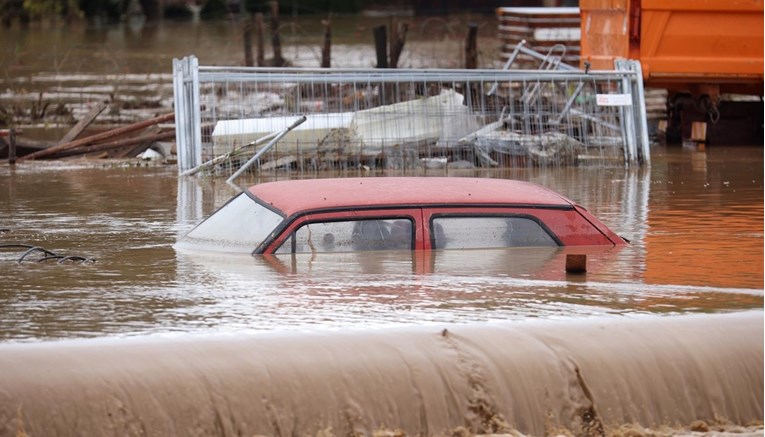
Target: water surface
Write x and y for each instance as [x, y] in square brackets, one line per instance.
[694, 219]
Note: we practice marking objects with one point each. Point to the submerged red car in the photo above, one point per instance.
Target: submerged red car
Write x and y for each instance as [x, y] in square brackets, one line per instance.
[396, 213]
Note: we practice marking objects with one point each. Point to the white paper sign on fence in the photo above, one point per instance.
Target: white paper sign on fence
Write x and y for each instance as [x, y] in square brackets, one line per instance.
[613, 99]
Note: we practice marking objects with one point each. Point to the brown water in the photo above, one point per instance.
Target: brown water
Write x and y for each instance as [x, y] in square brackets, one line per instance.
[665, 333]
[663, 337]
[695, 220]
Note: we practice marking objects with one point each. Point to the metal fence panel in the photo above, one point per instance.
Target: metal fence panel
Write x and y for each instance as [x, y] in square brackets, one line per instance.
[399, 119]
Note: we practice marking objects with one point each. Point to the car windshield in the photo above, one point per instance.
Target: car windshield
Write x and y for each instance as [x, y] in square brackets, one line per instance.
[240, 225]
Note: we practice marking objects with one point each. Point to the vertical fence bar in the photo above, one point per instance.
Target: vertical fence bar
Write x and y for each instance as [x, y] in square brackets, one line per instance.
[195, 158]
[180, 113]
[638, 93]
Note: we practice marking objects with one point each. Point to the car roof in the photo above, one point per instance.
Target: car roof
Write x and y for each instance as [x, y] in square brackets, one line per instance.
[295, 196]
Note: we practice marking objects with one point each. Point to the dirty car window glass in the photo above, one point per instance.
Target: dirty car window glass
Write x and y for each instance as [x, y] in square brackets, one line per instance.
[347, 236]
[485, 232]
[241, 225]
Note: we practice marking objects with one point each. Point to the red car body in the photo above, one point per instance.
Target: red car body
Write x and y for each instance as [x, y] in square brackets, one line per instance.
[421, 204]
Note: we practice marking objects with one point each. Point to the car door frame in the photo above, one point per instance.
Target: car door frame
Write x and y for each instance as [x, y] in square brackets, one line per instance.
[293, 223]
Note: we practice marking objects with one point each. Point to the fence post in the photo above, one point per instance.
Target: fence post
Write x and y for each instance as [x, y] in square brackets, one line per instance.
[179, 102]
[327, 48]
[641, 121]
[260, 39]
[247, 37]
[12, 147]
[276, 43]
[471, 47]
[381, 46]
[188, 123]
[196, 156]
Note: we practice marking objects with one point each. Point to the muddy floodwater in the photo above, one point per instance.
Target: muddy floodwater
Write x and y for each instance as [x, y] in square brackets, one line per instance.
[662, 337]
[694, 219]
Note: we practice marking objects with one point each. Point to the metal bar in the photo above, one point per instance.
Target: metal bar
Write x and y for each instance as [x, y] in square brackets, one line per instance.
[179, 102]
[195, 158]
[265, 148]
[569, 103]
[225, 156]
[640, 113]
[509, 62]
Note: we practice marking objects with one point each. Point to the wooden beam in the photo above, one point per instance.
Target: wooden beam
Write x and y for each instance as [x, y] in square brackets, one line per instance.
[99, 137]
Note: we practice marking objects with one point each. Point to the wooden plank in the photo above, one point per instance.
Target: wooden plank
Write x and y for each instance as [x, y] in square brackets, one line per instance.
[100, 137]
[118, 144]
[83, 124]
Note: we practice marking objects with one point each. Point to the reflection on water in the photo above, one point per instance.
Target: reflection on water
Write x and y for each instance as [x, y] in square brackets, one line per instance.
[696, 233]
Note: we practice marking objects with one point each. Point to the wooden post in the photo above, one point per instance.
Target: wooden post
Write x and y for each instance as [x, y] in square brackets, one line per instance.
[699, 131]
[247, 37]
[260, 39]
[381, 46]
[275, 41]
[12, 147]
[327, 49]
[398, 44]
[471, 50]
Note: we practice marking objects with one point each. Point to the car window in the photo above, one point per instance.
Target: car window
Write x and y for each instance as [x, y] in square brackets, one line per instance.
[490, 231]
[240, 225]
[350, 235]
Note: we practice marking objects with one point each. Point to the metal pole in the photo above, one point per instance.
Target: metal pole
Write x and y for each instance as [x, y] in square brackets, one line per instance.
[265, 148]
[509, 62]
[225, 156]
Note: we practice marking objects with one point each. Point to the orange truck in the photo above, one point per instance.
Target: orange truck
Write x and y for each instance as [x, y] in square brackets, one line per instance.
[699, 50]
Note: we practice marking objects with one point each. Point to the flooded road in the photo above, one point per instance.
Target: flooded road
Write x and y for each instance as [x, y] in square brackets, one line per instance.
[660, 338]
[147, 340]
[695, 222]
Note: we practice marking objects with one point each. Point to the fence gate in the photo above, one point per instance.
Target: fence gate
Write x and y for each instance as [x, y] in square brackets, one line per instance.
[402, 119]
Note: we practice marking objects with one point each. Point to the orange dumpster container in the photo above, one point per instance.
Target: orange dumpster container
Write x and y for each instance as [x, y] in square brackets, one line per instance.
[696, 46]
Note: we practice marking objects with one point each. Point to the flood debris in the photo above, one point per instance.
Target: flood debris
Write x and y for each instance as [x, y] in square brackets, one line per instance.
[121, 142]
[431, 132]
[38, 254]
[395, 136]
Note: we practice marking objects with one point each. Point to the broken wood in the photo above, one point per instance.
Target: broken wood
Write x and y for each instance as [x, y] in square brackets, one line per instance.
[99, 137]
[150, 138]
[83, 124]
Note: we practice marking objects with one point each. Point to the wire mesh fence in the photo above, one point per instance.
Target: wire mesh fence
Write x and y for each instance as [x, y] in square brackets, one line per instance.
[405, 119]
